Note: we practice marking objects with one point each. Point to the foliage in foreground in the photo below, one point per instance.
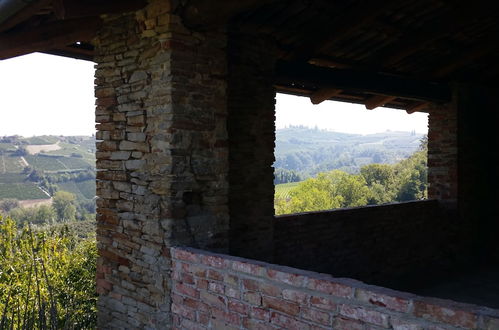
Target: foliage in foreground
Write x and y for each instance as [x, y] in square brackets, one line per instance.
[375, 184]
[47, 279]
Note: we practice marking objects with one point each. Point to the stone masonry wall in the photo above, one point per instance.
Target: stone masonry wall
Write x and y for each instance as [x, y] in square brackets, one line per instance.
[251, 126]
[443, 152]
[214, 291]
[394, 245]
[161, 159]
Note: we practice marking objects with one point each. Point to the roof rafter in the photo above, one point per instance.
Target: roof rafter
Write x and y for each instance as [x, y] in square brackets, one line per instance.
[48, 36]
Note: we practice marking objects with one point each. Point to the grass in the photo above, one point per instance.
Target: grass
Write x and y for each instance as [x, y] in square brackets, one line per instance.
[21, 191]
[12, 178]
[282, 190]
[40, 140]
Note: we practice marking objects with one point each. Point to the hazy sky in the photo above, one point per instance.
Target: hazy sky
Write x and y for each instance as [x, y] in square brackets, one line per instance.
[43, 94]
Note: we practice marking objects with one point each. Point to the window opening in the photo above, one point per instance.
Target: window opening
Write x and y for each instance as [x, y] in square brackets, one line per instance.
[337, 155]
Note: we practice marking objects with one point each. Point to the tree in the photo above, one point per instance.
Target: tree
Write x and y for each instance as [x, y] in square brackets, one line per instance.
[64, 205]
[8, 204]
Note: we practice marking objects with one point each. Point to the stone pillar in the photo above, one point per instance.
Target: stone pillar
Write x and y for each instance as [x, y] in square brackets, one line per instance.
[251, 126]
[162, 172]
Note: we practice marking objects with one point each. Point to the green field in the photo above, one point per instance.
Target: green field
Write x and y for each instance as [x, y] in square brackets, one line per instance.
[45, 163]
[12, 164]
[282, 190]
[7, 147]
[84, 189]
[12, 178]
[74, 163]
[21, 191]
[40, 140]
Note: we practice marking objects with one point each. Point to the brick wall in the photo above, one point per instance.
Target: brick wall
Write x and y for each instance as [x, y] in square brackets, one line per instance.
[392, 245]
[443, 152]
[222, 292]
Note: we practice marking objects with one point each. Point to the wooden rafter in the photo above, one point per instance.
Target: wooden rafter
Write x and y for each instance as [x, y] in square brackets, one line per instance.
[202, 14]
[312, 77]
[77, 8]
[378, 101]
[417, 106]
[324, 94]
[48, 36]
[27, 12]
[342, 27]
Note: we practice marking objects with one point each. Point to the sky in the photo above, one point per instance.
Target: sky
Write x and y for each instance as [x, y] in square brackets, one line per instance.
[52, 95]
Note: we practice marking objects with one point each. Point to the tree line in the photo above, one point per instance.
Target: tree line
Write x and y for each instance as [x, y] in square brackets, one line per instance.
[375, 184]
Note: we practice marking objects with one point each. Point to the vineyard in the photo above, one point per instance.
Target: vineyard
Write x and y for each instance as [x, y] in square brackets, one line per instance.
[282, 190]
[21, 191]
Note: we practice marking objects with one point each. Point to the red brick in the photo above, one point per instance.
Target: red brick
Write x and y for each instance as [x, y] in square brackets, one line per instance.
[287, 322]
[365, 315]
[186, 290]
[288, 278]
[184, 312]
[270, 289]
[296, 296]
[189, 325]
[216, 287]
[281, 305]
[202, 284]
[231, 318]
[203, 318]
[213, 300]
[383, 300]
[238, 307]
[231, 292]
[213, 261]
[194, 270]
[247, 268]
[341, 323]
[332, 288]
[196, 304]
[323, 303]
[260, 313]
[103, 284]
[231, 279]
[186, 278]
[398, 324]
[254, 298]
[445, 314]
[184, 255]
[251, 285]
[255, 325]
[214, 275]
[316, 315]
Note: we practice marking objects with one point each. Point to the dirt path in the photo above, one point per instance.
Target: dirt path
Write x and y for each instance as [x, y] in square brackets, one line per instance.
[37, 148]
[24, 161]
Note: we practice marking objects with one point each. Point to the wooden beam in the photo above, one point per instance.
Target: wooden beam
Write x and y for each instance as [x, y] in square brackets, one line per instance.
[48, 36]
[378, 101]
[27, 12]
[76, 8]
[417, 106]
[300, 75]
[324, 94]
[203, 14]
[414, 41]
[342, 26]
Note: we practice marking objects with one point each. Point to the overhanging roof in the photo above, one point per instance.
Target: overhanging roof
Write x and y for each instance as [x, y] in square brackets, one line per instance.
[403, 53]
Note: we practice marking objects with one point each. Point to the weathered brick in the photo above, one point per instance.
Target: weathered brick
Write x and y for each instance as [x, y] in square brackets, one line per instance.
[329, 287]
[364, 315]
[281, 305]
[444, 314]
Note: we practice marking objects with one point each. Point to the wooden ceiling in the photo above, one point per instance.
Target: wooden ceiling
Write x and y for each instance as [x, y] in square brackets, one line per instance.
[399, 53]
